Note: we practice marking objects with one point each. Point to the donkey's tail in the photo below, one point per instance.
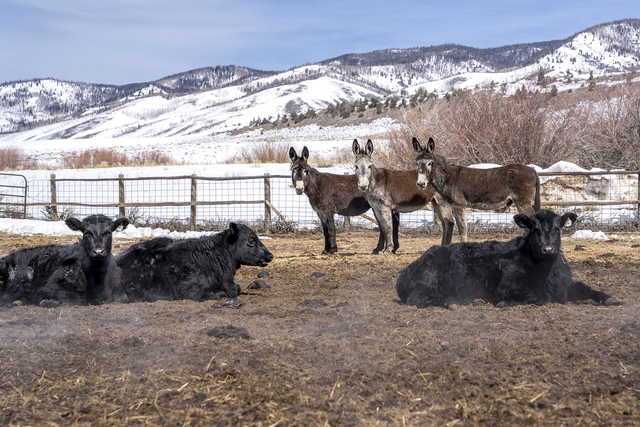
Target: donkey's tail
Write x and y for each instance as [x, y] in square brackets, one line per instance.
[536, 201]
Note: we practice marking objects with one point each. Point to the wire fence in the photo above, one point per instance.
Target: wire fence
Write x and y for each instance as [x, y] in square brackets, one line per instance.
[605, 199]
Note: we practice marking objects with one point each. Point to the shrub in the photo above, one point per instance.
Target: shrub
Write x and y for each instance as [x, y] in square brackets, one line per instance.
[13, 158]
[262, 152]
[108, 157]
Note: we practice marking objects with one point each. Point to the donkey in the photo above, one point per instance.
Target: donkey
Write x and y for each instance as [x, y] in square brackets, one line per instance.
[329, 194]
[390, 192]
[484, 189]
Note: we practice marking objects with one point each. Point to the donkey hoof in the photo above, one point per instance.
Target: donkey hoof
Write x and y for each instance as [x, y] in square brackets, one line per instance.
[612, 301]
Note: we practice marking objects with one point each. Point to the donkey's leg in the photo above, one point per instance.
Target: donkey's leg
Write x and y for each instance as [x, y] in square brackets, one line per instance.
[380, 245]
[395, 223]
[460, 215]
[445, 214]
[329, 230]
[385, 222]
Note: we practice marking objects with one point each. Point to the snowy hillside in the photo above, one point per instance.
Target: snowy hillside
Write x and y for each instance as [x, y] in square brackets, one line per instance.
[213, 101]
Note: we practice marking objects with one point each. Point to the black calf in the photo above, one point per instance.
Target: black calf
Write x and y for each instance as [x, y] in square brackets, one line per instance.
[98, 264]
[529, 269]
[47, 275]
[198, 269]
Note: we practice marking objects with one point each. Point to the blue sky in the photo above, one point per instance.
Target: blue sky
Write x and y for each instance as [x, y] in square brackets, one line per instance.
[130, 41]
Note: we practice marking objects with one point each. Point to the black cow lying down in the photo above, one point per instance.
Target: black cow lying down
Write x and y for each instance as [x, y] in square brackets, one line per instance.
[527, 269]
[198, 268]
[45, 275]
[95, 257]
[83, 273]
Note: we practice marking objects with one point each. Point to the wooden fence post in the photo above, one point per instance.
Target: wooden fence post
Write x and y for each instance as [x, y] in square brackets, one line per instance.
[54, 199]
[638, 198]
[194, 198]
[121, 212]
[267, 198]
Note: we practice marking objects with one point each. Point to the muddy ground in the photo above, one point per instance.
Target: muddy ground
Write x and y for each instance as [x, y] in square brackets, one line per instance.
[329, 344]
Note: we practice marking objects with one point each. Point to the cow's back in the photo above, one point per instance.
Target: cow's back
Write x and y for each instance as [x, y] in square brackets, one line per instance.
[460, 272]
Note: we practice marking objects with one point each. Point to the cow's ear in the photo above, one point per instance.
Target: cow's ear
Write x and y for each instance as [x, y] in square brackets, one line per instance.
[74, 224]
[292, 154]
[355, 147]
[235, 232]
[416, 145]
[568, 216]
[120, 222]
[431, 145]
[368, 149]
[522, 221]
[305, 153]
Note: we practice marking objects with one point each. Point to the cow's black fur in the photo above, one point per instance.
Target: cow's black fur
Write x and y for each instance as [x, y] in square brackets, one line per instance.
[198, 268]
[46, 275]
[98, 264]
[527, 269]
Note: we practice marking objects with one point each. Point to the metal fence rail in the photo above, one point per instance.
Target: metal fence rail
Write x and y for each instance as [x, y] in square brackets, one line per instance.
[13, 195]
[602, 197]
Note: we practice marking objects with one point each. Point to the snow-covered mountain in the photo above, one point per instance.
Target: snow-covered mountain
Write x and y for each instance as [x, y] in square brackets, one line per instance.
[221, 99]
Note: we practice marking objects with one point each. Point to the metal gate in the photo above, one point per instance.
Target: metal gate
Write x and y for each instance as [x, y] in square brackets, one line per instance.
[13, 196]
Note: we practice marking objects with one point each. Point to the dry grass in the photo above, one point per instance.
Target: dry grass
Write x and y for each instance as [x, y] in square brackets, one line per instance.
[108, 157]
[262, 152]
[14, 158]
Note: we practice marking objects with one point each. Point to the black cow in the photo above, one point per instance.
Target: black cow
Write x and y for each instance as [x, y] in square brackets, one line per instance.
[46, 275]
[98, 263]
[198, 268]
[527, 269]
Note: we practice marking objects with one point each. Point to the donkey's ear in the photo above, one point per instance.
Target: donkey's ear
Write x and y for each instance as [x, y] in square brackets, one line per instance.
[368, 149]
[355, 147]
[416, 145]
[431, 144]
[305, 153]
[292, 154]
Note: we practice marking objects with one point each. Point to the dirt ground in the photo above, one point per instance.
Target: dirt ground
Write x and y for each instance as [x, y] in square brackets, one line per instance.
[329, 344]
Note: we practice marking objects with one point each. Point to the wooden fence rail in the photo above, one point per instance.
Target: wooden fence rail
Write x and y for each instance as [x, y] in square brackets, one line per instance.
[193, 195]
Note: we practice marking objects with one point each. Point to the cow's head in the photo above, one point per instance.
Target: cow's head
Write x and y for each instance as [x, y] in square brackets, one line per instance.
[20, 268]
[97, 233]
[300, 169]
[25, 270]
[363, 164]
[544, 231]
[246, 247]
[424, 161]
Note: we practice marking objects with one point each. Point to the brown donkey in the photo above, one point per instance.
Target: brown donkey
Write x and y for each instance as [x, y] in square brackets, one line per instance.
[390, 192]
[484, 189]
[328, 194]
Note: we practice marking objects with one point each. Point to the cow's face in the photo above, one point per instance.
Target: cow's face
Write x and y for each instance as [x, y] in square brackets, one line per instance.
[544, 231]
[300, 170]
[424, 161]
[21, 267]
[97, 233]
[363, 164]
[246, 247]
